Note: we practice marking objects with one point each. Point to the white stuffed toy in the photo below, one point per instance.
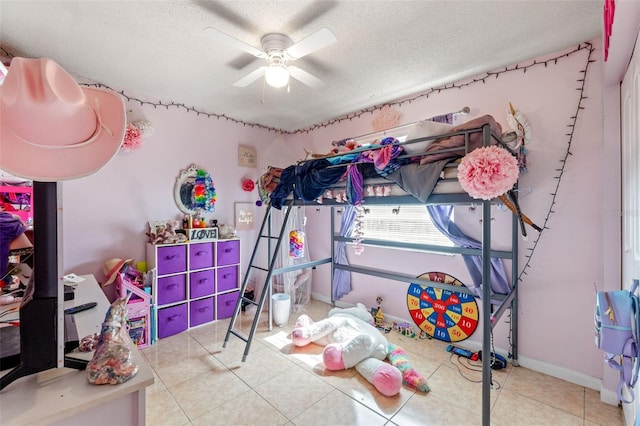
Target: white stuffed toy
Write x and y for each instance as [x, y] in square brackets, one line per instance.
[351, 340]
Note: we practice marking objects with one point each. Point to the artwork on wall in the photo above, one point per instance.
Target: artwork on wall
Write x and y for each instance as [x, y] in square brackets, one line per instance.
[247, 156]
[245, 216]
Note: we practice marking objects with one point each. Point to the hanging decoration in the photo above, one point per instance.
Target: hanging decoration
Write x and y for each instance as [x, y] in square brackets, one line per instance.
[135, 134]
[387, 118]
[609, 13]
[488, 172]
[296, 243]
[248, 185]
[204, 193]
[523, 135]
[358, 230]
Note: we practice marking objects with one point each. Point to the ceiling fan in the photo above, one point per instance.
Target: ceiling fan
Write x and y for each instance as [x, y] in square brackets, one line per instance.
[278, 50]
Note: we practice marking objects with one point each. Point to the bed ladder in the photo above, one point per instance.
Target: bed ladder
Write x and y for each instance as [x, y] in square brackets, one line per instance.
[272, 257]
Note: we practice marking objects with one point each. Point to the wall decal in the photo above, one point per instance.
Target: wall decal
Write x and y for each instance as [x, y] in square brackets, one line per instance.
[245, 216]
[247, 156]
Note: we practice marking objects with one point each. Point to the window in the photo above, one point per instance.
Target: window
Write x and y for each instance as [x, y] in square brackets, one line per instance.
[407, 224]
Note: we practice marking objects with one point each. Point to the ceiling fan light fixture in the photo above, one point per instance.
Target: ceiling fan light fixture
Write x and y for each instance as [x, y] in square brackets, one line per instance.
[277, 75]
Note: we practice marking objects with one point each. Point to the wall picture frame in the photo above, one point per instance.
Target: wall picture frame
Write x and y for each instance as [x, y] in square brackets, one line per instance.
[245, 216]
[247, 156]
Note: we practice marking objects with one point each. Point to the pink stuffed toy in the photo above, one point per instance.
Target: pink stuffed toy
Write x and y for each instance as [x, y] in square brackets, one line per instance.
[351, 340]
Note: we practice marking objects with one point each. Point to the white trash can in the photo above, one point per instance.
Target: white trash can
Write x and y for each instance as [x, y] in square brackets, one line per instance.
[281, 303]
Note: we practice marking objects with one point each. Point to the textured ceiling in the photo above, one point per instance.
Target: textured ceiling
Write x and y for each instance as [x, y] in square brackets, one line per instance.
[385, 50]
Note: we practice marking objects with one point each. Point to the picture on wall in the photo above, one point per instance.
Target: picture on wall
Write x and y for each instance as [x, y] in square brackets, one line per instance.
[247, 156]
[245, 216]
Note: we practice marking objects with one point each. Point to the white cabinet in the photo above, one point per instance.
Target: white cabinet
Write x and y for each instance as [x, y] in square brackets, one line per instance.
[194, 283]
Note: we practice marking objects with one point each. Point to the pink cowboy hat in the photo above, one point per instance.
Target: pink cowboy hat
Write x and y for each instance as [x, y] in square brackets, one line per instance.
[53, 129]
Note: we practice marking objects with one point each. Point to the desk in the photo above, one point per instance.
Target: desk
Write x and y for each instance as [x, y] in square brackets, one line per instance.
[63, 396]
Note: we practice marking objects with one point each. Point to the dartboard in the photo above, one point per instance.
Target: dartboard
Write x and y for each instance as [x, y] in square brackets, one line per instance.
[446, 315]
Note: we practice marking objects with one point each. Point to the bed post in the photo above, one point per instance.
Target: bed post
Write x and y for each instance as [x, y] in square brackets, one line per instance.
[333, 251]
[515, 238]
[486, 299]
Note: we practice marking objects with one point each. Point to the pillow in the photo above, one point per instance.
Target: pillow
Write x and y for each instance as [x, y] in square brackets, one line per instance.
[423, 129]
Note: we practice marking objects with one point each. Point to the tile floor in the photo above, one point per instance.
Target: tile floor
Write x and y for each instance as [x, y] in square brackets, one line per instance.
[197, 382]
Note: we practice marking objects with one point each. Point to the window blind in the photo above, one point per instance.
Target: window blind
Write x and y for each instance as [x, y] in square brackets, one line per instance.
[407, 223]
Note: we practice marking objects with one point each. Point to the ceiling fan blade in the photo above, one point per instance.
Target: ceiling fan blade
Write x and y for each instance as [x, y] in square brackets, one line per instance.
[315, 41]
[305, 77]
[314, 11]
[227, 14]
[250, 78]
[235, 42]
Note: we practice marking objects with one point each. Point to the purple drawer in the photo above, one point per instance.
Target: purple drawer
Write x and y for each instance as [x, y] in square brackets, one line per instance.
[172, 289]
[172, 259]
[228, 252]
[227, 278]
[172, 320]
[201, 283]
[202, 311]
[201, 255]
[226, 304]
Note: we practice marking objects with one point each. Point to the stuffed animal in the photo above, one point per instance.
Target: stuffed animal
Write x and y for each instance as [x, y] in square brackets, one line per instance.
[165, 234]
[339, 147]
[351, 340]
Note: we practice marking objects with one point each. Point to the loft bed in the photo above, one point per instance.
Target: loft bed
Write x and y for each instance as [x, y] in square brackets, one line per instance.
[426, 177]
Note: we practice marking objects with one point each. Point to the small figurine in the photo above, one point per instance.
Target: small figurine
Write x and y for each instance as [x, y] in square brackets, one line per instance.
[379, 317]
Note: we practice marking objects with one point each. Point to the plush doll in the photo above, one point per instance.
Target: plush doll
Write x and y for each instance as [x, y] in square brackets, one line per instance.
[339, 147]
[351, 340]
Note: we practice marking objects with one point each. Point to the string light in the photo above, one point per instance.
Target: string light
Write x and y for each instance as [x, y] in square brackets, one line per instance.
[573, 119]
[350, 116]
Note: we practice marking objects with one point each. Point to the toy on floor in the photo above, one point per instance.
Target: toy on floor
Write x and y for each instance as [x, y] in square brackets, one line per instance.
[351, 340]
[378, 317]
[405, 329]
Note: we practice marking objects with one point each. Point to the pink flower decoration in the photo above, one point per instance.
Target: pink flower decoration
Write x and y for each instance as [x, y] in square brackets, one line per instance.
[132, 138]
[488, 172]
[248, 185]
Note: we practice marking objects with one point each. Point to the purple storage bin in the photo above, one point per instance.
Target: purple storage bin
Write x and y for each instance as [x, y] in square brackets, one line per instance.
[228, 252]
[201, 255]
[172, 320]
[172, 259]
[202, 311]
[226, 304]
[201, 283]
[172, 289]
[227, 278]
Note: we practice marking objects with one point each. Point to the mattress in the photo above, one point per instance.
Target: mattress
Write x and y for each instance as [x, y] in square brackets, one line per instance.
[447, 183]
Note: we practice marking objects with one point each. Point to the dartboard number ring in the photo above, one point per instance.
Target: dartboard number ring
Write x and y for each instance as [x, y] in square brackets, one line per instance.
[445, 315]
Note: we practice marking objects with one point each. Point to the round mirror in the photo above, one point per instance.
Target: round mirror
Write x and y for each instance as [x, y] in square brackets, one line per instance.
[194, 191]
